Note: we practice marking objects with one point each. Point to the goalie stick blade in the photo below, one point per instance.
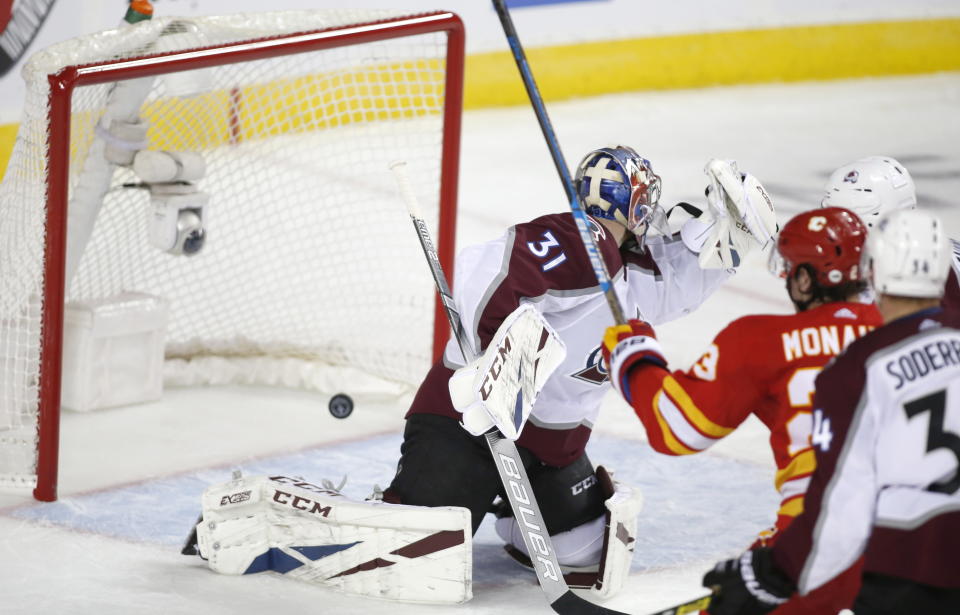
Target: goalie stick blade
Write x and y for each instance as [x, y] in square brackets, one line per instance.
[572, 604]
[694, 606]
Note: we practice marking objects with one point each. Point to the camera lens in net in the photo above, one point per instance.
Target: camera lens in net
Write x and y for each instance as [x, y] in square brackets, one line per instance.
[194, 241]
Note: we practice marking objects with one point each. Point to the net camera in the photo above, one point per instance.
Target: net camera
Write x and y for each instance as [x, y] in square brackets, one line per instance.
[176, 223]
[177, 206]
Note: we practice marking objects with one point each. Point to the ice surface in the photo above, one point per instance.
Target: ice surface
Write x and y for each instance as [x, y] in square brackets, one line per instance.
[131, 477]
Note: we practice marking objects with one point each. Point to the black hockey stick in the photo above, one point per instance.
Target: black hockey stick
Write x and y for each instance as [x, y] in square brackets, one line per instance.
[576, 207]
[504, 451]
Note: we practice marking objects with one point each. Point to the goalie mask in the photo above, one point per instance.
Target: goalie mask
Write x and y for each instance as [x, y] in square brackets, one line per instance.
[829, 240]
[616, 183]
[871, 187]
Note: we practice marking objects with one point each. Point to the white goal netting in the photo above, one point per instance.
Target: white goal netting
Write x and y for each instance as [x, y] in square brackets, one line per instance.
[310, 272]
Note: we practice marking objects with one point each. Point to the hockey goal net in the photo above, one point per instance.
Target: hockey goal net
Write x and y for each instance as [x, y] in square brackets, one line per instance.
[308, 262]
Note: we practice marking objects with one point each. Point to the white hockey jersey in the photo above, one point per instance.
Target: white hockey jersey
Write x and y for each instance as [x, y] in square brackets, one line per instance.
[543, 262]
[886, 434]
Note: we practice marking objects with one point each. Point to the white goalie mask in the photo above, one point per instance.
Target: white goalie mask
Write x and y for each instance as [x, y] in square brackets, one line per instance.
[871, 187]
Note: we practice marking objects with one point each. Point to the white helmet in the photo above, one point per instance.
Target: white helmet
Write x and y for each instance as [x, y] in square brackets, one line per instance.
[908, 254]
[871, 187]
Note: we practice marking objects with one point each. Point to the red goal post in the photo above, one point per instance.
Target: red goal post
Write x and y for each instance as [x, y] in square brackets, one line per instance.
[307, 245]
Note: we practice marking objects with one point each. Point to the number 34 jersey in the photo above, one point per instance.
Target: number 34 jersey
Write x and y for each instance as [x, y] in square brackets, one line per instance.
[887, 482]
[763, 365]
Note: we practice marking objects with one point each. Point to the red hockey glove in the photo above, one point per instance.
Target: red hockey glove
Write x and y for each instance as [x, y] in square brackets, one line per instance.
[625, 346]
[748, 585]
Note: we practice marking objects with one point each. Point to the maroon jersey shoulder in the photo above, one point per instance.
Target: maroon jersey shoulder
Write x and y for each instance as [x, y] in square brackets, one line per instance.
[840, 385]
[550, 248]
[546, 256]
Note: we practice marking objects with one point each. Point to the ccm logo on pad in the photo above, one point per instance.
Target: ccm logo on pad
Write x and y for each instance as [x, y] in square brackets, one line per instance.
[486, 387]
[300, 503]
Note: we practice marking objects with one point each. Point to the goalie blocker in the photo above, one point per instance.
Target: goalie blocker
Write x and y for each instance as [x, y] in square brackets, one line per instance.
[499, 388]
[315, 534]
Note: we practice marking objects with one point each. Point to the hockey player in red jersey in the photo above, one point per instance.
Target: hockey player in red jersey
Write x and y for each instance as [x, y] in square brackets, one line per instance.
[887, 443]
[543, 263]
[763, 365]
[876, 185]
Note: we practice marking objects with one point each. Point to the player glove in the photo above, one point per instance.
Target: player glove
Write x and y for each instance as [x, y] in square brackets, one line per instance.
[625, 346]
[748, 585]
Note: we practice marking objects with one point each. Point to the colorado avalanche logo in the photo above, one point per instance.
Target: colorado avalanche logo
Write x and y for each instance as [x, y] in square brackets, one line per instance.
[852, 177]
[595, 372]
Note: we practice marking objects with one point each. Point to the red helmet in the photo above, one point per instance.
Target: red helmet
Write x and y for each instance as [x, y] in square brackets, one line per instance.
[830, 240]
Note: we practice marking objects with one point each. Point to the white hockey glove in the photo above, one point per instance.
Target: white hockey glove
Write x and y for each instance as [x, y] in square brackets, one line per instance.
[499, 388]
[741, 216]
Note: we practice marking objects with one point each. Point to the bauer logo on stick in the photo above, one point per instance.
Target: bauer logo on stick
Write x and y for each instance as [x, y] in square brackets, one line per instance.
[524, 513]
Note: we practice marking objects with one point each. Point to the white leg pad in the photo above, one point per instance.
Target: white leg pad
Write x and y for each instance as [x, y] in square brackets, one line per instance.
[596, 554]
[315, 534]
[619, 539]
[577, 549]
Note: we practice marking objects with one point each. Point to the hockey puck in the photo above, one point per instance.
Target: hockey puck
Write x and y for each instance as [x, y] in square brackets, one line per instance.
[341, 406]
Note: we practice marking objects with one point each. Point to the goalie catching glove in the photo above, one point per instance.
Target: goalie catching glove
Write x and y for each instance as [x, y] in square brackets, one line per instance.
[498, 388]
[740, 216]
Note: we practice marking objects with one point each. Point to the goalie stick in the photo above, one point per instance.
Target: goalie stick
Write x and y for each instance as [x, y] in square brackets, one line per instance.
[505, 455]
[576, 207]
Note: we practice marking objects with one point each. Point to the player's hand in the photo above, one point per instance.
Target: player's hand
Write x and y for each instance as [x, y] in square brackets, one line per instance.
[617, 333]
[625, 346]
[466, 400]
[767, 588]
